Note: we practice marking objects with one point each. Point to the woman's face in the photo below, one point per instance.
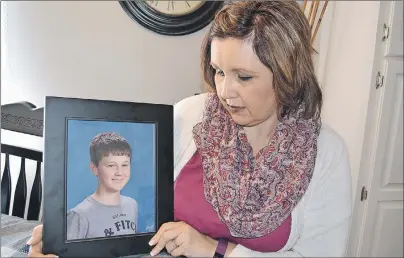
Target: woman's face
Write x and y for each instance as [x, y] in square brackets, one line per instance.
[243, 83]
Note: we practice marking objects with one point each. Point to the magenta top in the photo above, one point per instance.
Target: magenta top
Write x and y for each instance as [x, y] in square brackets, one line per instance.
[191, 207]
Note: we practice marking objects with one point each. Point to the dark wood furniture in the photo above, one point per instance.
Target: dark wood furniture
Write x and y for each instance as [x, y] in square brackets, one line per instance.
[25, 118]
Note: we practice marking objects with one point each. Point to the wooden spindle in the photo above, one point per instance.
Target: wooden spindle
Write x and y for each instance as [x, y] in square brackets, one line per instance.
[36, 195]
[319, 21]
[6, 187]
[20, 195]
[316, 5]
[311, 10]
[304, 5]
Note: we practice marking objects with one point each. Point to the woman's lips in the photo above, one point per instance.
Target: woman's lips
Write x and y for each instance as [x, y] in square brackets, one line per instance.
[235, 108]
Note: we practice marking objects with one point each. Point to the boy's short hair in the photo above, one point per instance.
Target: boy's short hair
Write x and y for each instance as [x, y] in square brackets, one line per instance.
[107, 143]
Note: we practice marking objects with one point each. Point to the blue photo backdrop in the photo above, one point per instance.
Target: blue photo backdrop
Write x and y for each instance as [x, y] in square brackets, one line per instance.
[81, 182]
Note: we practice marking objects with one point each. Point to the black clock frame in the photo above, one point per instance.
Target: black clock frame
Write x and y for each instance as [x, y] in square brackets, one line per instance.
[164, 24]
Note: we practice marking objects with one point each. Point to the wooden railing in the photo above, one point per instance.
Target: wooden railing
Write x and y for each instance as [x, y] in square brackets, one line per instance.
[20, 193]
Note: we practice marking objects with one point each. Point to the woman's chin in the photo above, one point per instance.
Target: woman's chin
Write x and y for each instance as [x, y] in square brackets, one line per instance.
[244, 120]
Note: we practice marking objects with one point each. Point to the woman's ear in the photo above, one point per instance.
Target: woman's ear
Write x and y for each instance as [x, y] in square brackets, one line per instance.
[94, 169]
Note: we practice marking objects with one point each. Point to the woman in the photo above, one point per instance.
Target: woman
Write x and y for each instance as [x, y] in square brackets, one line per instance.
[256, 173]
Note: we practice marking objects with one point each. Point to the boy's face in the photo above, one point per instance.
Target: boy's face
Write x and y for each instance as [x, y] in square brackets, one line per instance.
[113, 172]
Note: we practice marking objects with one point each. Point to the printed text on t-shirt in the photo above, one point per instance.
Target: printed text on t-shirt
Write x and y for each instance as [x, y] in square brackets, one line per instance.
[120, 224]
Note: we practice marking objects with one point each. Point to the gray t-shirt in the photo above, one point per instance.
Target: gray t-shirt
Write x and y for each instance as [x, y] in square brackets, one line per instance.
[92, 219]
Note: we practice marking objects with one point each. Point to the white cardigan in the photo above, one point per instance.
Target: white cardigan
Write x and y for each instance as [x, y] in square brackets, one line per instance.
[321, 220]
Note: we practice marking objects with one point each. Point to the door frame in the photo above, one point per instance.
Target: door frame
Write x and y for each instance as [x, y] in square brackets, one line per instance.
[368, 155]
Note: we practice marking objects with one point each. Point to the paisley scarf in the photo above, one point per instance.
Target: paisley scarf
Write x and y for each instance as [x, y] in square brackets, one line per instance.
[254, 195]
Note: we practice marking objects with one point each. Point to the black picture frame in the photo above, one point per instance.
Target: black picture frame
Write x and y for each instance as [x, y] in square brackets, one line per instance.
[164, 24]
[57, 111]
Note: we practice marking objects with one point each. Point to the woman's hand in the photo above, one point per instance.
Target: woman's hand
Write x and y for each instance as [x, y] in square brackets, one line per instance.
[179, 238]
[35, 243]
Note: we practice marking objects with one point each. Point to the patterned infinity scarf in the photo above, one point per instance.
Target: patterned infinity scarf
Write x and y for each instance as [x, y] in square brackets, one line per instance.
[254, 195]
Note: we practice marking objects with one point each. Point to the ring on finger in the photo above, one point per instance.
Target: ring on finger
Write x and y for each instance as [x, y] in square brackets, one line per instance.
[172, 245]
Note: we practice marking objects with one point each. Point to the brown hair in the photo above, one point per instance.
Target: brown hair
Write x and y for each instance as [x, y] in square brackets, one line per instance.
[280, 35]
[107, 143]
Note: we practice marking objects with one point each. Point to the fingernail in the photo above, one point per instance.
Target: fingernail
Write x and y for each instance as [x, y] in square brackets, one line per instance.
[151, 242]
[29, 241]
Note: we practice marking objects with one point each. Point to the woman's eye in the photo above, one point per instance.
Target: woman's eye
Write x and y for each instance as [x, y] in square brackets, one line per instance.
[244, 77]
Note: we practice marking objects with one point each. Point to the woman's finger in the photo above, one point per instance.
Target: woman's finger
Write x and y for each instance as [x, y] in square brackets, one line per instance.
[176, 242]
[39, 255]
[180, 239]
[171, 234]
[170, 246]
[36, 251]
[164, 238]
[163, 228]
[36, 235]
[178, 251]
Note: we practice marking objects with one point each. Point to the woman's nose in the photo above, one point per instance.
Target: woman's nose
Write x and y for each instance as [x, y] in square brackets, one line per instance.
[227, 91]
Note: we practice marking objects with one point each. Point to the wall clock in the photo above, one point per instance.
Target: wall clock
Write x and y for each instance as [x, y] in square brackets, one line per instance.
[174, 18]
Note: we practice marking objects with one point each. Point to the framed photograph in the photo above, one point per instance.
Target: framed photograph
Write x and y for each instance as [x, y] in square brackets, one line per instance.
[108, 176]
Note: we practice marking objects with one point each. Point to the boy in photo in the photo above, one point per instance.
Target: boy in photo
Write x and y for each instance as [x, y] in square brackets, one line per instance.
[106, 212]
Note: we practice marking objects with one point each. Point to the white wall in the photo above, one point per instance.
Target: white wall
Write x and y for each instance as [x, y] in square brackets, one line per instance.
[92, 49]
[348, 73]
[88, 49]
